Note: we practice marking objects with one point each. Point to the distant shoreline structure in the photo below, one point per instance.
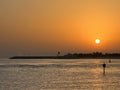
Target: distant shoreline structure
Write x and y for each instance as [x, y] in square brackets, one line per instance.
[94, 55]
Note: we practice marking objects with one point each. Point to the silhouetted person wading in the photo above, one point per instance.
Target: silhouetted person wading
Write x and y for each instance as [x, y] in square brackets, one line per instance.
[104, 66]
[109, 61]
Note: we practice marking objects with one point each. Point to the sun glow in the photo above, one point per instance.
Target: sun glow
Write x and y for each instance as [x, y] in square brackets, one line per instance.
[97, 41]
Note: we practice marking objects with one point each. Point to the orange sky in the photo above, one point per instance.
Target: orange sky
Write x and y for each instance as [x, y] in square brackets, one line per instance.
[42, 27]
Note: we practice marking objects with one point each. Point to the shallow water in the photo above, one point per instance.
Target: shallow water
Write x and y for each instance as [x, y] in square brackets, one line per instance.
[73, 74]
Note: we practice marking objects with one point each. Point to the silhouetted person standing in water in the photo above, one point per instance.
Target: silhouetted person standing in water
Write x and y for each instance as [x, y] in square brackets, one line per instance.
[109, 61]
[104, 66]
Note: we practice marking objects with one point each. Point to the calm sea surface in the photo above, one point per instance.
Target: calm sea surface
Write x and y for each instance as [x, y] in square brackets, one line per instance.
[74, 74]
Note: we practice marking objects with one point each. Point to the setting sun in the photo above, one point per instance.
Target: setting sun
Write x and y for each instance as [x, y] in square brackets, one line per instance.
[97, 41]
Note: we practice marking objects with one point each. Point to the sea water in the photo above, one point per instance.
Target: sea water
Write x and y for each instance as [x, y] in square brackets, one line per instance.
[61, 74]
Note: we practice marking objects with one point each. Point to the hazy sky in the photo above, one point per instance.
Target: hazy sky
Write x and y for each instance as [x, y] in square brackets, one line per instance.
[43, 27]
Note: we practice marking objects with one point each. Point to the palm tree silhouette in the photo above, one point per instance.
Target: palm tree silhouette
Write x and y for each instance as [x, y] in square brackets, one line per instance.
[58, 53]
